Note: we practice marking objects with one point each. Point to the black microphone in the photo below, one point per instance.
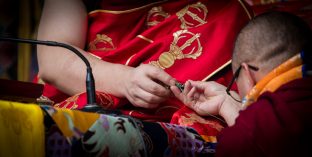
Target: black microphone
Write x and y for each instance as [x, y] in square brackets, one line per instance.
[90, 87]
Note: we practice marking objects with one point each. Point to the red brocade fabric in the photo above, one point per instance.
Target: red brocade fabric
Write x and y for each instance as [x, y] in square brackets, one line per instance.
[188, 39]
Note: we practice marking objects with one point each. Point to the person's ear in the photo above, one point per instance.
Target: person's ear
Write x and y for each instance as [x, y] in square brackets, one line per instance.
[247, 80]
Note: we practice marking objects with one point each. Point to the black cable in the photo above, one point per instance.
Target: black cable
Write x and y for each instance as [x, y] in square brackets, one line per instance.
[90, 86]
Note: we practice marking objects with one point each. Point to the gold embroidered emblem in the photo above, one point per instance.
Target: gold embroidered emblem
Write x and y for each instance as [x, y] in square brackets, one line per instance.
[193, 15]
[69, 101]
[105, 100]
[190, 48]
[155, 16]
[101, 42]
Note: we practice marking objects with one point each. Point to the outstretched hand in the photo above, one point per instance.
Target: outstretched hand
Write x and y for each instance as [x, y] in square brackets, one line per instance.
[208, 98]
[203, 97]
[146, 86]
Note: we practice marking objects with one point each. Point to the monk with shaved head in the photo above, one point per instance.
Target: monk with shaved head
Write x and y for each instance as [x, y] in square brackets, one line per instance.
[271, 115]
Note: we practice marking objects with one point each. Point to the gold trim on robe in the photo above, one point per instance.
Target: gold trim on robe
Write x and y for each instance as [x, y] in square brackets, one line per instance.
[246, 10]
[144, 38]
[128, 61]
[216, 71]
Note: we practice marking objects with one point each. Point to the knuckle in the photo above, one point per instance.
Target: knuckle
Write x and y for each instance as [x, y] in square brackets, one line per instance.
[132, 93]
[138, 103]
[133, 102]
[155, 89]
[155, 71]
[150, 99]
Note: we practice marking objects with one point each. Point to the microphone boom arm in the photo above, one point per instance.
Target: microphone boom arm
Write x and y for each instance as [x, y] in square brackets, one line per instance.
[90, 86]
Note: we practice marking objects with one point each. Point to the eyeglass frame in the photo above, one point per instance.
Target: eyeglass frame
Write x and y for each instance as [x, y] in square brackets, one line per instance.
[235, 76]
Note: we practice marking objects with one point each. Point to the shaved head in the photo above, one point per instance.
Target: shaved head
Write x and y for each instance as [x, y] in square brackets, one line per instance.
[270, 39]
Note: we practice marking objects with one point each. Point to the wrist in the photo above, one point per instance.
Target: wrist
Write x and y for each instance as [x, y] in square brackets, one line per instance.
[122, 73]
[111, 77]
[230, 108]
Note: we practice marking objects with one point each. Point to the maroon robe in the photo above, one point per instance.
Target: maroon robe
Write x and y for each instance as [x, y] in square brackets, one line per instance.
[278, 124]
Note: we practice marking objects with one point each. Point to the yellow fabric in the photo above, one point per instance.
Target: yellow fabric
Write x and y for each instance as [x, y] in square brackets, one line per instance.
[286, 72]
[67, 119]
[22, 129]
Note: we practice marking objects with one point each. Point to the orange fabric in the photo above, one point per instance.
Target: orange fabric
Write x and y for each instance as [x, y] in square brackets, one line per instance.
[286, 72]
[188, 39]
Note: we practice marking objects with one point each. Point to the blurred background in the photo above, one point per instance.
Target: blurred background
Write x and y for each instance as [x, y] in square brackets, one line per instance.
[20, 18]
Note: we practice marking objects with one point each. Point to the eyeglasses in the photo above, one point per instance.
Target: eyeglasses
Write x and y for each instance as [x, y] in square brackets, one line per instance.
[235, 76]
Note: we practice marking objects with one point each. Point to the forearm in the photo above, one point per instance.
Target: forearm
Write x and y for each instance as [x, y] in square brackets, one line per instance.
[67, 72]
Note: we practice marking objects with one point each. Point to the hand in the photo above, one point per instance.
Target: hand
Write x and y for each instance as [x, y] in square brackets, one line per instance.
[146, 86]
[203, 97]
[208, 98]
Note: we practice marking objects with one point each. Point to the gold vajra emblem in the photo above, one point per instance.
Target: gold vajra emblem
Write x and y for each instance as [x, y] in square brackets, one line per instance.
[155, 16]
[190, 48]
[193, 15]
[102, 42]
